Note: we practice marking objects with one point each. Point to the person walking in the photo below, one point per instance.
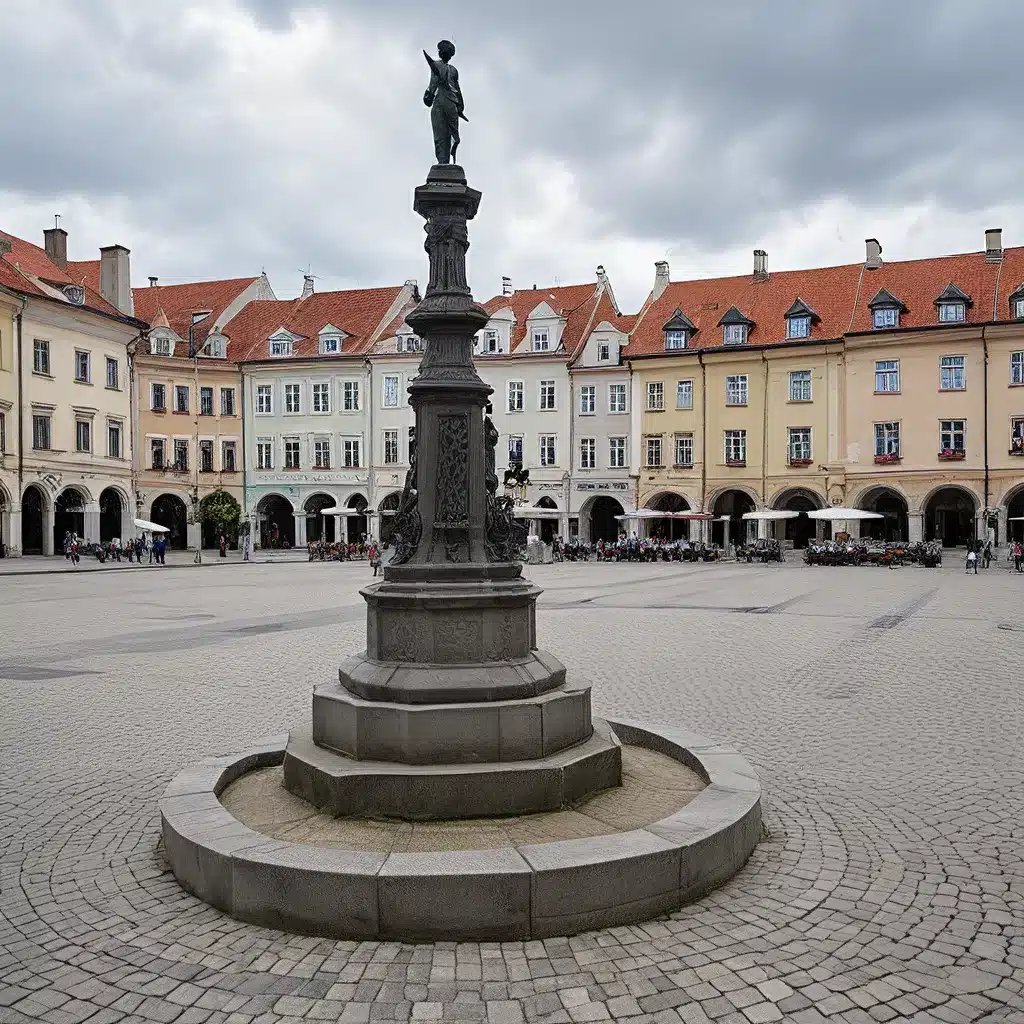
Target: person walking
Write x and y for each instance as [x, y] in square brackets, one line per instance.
[374, 557]
[246, 547]
[1018, 554]
[223, 546]
[972, 561]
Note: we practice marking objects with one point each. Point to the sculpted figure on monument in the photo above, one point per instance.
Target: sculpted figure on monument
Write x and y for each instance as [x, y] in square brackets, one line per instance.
[506, 537]
[408, 526]
[444, 97]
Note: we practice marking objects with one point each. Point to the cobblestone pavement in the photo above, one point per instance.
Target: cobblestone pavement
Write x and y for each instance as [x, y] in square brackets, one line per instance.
[882, 708]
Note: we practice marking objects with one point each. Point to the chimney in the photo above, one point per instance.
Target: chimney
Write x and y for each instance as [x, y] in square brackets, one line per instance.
[760, 266]
[307, 286]
[506, 286]
[116, 277]
[873, 256]
[153, 281]
[55, 241]
[660, 278]
[994, 245]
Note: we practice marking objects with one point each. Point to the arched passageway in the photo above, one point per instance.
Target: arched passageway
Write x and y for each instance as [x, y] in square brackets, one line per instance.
[669, 529]
[276, 522]
[548, 528]
[320, 527]
[733, 504]
[169, 510]
[32, 504]
[356, 525]
[69, 517]
[949, 517]
[220, 513]
[601, 512]
[385, 520]
[111, 513]
[801, 530]
[893, 508]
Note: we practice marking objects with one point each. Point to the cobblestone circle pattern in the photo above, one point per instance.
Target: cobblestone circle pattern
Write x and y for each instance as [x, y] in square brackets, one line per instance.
[882, 708]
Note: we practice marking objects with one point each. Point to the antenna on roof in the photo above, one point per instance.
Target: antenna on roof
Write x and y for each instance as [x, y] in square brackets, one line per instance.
[56, 220]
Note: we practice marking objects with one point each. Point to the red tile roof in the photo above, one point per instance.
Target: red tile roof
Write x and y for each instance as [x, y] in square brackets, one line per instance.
[180, 301]
[358, 312]
[838, 295]
[31, 260]
[575, 302]
[85, 272]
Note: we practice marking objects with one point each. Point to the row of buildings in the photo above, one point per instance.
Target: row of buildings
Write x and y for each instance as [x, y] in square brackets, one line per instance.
[891, 386]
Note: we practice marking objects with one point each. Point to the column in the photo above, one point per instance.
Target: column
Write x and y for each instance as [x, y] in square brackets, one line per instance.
[915, 526]
[193, 536]
[762, 529]
[300, 529]
[92, 521]
[1004, 526]
[12, 530]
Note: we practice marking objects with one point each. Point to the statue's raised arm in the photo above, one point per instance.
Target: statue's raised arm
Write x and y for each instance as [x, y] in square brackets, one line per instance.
[444, 97]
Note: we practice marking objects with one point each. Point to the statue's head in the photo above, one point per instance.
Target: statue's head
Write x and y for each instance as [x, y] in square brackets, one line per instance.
[446, 50]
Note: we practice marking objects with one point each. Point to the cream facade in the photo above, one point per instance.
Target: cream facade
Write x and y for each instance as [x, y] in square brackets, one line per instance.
[10, 447]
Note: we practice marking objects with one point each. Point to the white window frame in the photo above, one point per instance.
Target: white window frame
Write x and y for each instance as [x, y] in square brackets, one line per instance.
[154, 443]
[152, 396]
[588, 453]
[179, 390]
[621, 391]
[38, 419]
[800, 443]
[547, 445]
[81, 354]
[515, 440]
[798, 327]
[234, 407]
[886, 370]
[112, 426]
[352, 452]
[351, 396]
[264, 399]
[320, 391]
[540, 339]
[735, 334]
[735, 449]
[280, 347]
[604, 352]
[225, 447]
[653, 454]
[950, 429]
[684, 393]
[322, 453]
[390, 445]
[112, 363]
[547, 400]
[214, 349]
[181, 444]
[515, 392]
[952, 374]
[290, 445]
[41, 356]
[737, 389]
[292, 394]
[206, 445]
[160, 346]
[683, 442]
[885, 318]
[1017, 368]
[888, 438]
[617, 452]
[675, 341]
[81, 422]
[655, 396]
[952, 312]
[490, 344]
[1018, 309]
[800, 386]
[206, 389]
[391, 401]
[264, 453]
[588, 399]
[330, 344]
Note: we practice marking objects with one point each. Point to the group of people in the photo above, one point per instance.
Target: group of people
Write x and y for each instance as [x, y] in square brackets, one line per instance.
[338, 551]
[133, 550]
[634, 549]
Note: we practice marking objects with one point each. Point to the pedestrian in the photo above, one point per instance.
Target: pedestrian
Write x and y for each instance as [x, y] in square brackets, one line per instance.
[374, 557]
[246, 547]
[972, 561]
[223, 546]
[1018, 554]
[152, 550]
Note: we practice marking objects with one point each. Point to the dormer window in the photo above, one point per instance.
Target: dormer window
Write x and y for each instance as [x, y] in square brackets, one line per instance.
[410, 343]
[215, 348]
[540, 339]
[280, 346]
[952, 305]
[799, 319]
[735, 327]
[489, 342]
[604, 352]
[678, 331]
[330, 345]
[75, 294]
[1017, 303]
[885, 311]
[160, 346]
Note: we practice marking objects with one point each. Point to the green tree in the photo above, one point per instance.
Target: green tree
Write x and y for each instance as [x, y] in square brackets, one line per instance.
[220, 513]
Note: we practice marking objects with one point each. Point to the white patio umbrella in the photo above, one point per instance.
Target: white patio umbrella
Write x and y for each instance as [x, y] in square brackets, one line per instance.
[534, 512]
[644, 513]
[1015, 519]
[145, 524]
[845, 514]
[338, 510]
[771, 514]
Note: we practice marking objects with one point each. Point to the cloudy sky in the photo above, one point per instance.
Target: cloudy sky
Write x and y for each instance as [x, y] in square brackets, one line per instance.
[217, 138]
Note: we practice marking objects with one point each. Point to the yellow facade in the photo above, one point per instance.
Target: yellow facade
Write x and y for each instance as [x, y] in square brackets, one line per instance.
[9, 305]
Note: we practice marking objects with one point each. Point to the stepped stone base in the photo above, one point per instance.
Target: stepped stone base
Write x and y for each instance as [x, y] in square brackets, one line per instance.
[343, 786]
[483, 731]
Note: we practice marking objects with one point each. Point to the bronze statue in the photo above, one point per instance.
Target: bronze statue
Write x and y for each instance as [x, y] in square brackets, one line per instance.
[444, 97]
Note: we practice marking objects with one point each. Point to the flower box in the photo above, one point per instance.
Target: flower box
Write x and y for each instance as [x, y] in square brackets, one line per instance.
[881, 460]
[739, 463]
[801, 462]
[952, 454]
[1016, 451]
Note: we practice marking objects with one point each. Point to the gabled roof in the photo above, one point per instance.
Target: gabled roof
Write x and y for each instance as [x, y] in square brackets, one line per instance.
[359, 312]
[734, 316]
[884, 299]
[85, 272]
[576, 303]
[679, 321]
[953, 294]
[800, 308]
[180, 301]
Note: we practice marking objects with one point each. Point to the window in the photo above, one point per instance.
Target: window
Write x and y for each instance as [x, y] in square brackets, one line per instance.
[798, 327]
[515, 449]
[412, 343]
[83, 436]
[736, 447]
[887, 375]
[291, 453]
[3, 433]
[652, 452]
[800, 386]
[736, 389]
[350, 396]
[391, 391]
[390, 447]
[735, 334]
[330, 345]
[322, 397]
[884, 317]
[322, 454]
[205, 456]
[113, 440]
[684, 394]
[799, 445]
[588, 453]
[952, 368]
[490, 343]
[675, 340]
[1017, 309]
[541, 339]
[181, 398]
[158, 397]
[951, 312]
[515, 396]
[41, 357]
[547, 449]
[82, 367]
[292, 398]
[887, 440]
[352, 448]
[588, 399]
[214, 348]
[952, 436]
[1017, 368]
[180, 454]
[684, 449]
[264, 453]
[112, 373]
[655, 396]
[228, 457]
[206, 401]
[616, 397]
[156, 453]
[227, 401]
[264, 399]
[160, 346]
[617, 452]
[604, 352]
[281, 347]
[547, 394]
[1017, 436]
